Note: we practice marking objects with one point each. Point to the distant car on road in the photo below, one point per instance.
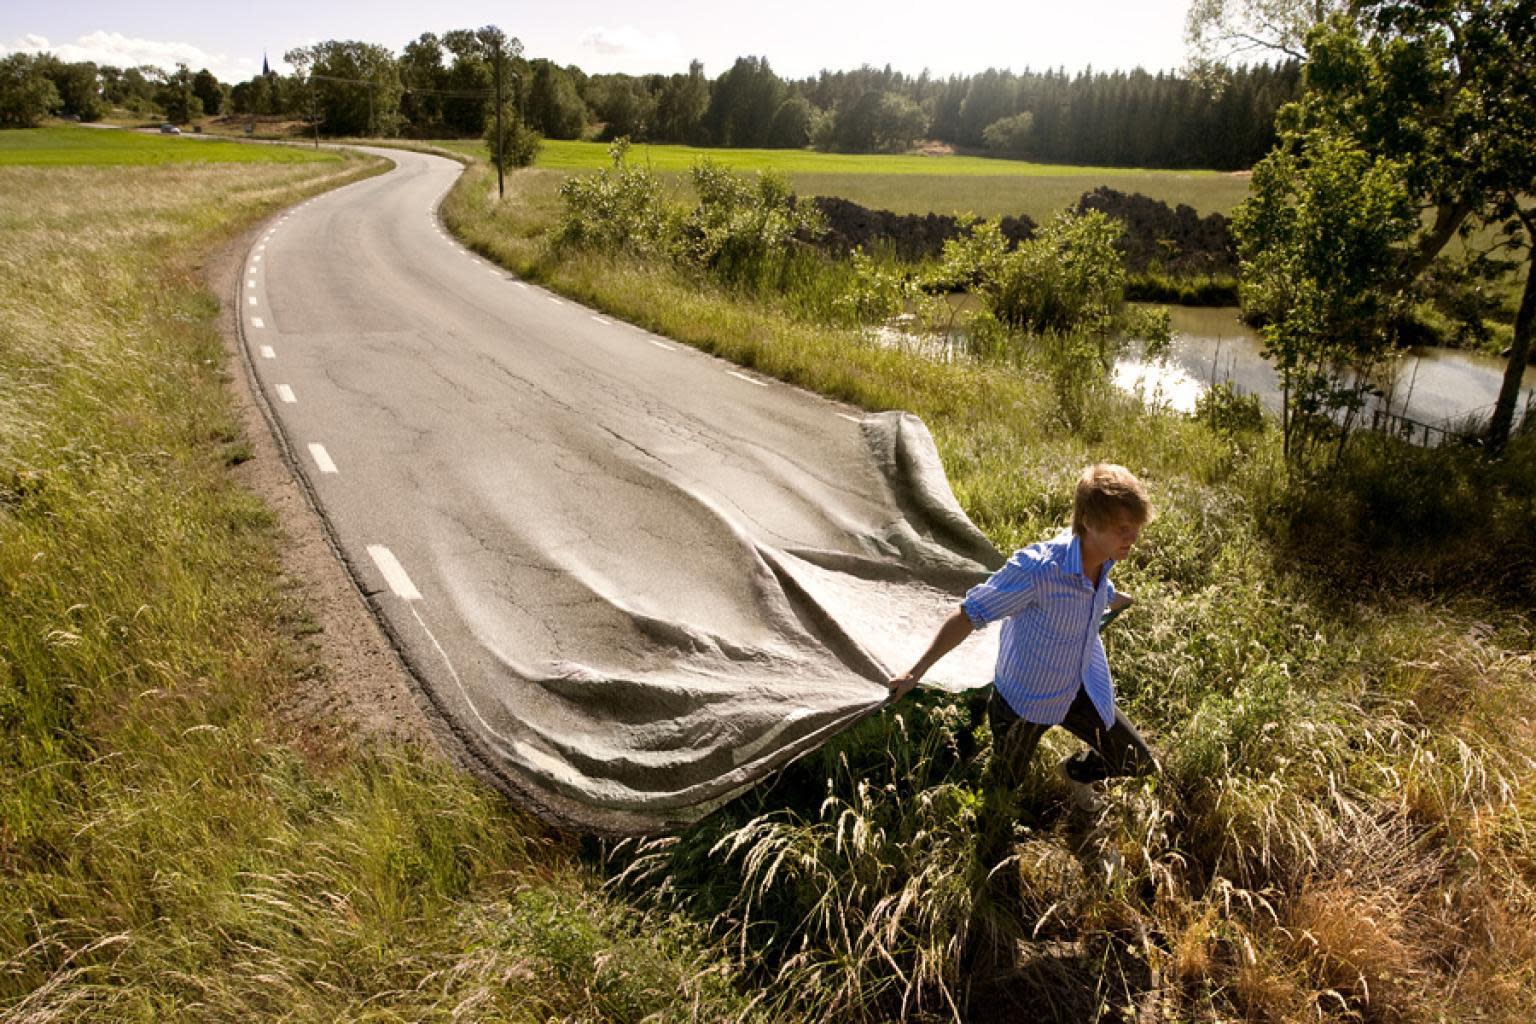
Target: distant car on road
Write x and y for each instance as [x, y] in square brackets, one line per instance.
[169, 129]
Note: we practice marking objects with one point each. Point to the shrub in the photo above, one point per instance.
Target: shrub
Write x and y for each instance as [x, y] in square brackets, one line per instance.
[743, 230]
[519, 143]
[619, 209]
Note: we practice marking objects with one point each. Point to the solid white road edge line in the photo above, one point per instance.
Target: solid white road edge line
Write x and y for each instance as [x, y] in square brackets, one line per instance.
[322, 458]
[394, 573]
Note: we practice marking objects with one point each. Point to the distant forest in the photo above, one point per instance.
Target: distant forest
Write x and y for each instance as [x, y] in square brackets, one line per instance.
[441, 86]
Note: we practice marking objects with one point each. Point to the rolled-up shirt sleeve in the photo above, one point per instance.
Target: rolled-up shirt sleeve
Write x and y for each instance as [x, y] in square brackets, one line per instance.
[1110, 592]
[1007, 592]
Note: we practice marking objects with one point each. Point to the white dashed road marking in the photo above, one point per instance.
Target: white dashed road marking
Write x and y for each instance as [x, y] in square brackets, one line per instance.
[322, 458]
[600, 320]
[258, 322]
[662, 344]
[253, 300]
[267, 352]
[286, 394]
[850, 419]
[394, 573]
[556, 301]
[749, 380]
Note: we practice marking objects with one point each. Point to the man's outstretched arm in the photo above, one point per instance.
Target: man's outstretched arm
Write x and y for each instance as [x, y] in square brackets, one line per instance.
[955, 629]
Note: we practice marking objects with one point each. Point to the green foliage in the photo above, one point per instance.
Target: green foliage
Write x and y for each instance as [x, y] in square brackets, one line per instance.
[1321, 241]
[620, 209]
[743, 104]
[355, 86]
[1324, 741]
[80, 93]
[1230, 413]
[1009, 136]
[1200, 290]
[1068, 277]
[518, 145]
[209, 92]
[743, 230]
[876, 122]
[27, 95]
[861, 896]
[555, 109]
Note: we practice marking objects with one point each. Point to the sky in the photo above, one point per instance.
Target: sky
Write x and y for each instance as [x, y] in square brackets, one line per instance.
[798, 37]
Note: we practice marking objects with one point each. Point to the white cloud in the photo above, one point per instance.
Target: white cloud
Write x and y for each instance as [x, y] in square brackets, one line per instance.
[126, 51]
[628, 41]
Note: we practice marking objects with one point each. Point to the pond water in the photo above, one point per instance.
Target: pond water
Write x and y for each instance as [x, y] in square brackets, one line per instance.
[1430, 385]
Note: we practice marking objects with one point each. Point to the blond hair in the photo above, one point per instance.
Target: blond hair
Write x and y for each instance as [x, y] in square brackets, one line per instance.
[1105, 491]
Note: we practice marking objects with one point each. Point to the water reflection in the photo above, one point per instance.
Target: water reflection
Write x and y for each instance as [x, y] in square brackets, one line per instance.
[1430, 385]
[1437, 386]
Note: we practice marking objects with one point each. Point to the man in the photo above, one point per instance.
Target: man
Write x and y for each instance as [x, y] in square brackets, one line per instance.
[1051, 668]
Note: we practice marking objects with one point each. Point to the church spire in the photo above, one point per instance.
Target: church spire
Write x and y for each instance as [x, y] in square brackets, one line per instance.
[266, 72]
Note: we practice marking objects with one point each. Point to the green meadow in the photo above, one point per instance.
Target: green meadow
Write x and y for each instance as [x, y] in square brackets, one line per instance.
[76, 146]
[913, 184]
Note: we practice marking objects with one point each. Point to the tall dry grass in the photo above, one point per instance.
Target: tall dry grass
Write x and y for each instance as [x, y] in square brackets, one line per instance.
[170, 849]
[1343, 826]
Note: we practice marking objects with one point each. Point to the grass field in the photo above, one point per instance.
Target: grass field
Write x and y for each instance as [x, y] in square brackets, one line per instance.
[1344, 828]
[915, 184]
[171, 847]
[74, 145]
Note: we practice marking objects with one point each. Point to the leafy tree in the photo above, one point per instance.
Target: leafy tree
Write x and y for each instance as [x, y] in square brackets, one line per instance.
[1321, 239]
[1009, 136]
[176, 98]
[554, 107]
[27, 95]
[681, 104]
[356, 85]
[1445, 89]
[130, 88]
[878, 122]
[78, 85]
[1219, 30]
[468, 83]
[624, 105]
[519, 144]
[209, 91]
[991, 97]
[423, 81]
[743, 104]
[793, 124]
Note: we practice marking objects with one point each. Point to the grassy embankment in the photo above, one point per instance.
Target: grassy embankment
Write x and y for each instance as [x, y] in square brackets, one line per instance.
[170, 847]
[1343, 703]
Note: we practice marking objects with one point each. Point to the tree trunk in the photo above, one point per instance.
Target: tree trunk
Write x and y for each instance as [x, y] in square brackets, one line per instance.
[1448, 218]
[1519, 355]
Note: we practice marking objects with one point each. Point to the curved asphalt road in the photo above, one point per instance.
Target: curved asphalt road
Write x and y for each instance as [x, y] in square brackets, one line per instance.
[632, 577]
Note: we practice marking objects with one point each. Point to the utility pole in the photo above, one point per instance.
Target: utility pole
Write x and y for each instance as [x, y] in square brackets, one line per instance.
[501, 186]
[314, 115]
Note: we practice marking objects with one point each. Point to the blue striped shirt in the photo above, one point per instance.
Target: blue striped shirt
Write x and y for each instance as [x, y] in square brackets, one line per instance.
[1050, 644]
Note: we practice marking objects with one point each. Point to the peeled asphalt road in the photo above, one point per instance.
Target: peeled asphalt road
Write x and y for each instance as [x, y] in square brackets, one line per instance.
[633, 578]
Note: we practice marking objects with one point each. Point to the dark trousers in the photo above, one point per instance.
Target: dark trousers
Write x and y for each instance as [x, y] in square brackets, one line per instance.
[1118, 750]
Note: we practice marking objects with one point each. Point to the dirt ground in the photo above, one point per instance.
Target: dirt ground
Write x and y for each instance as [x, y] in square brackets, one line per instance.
[361, 691]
